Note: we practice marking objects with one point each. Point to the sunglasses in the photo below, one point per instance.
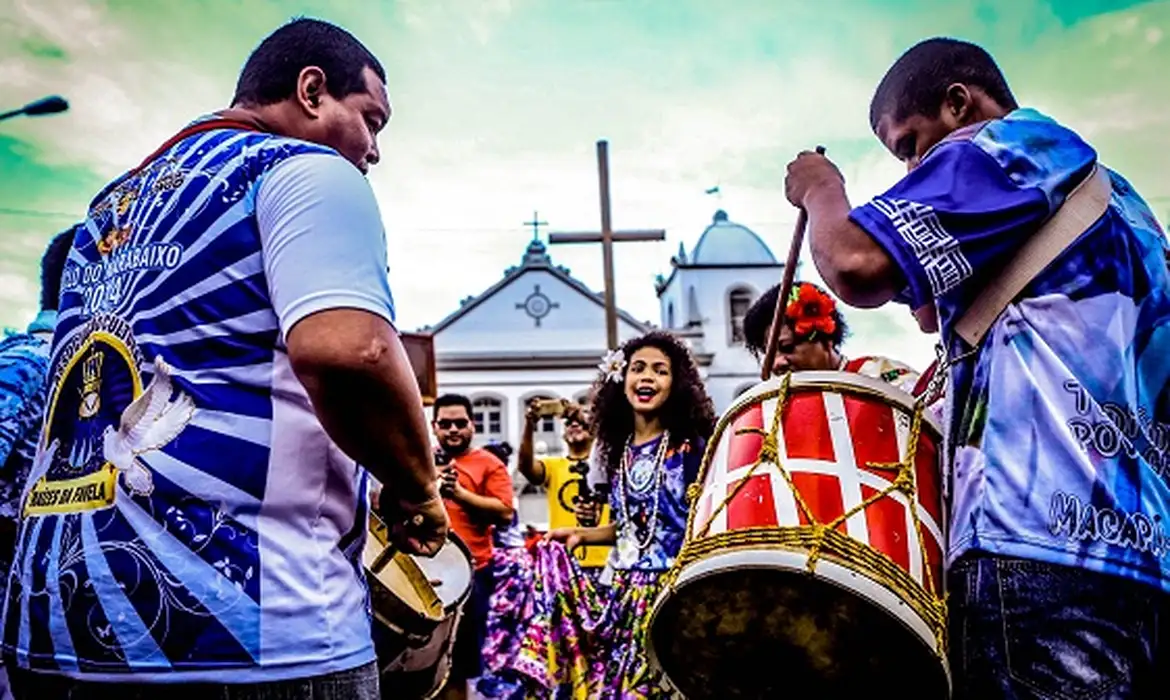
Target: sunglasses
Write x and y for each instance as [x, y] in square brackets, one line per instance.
[448, 423]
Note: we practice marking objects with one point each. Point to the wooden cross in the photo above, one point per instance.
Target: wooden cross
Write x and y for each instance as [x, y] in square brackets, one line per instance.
[607, 237]
[536, 223]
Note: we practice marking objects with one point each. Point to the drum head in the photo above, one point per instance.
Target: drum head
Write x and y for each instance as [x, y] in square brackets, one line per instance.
[770, 633]
[452, 568]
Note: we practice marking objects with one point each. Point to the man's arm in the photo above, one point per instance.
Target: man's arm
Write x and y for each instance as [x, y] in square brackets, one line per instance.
[325, 263]
[22, 377]
[487, 508]
[493, 506]
[357, 375]
[851, 262]
[526, 463]
[957, 213]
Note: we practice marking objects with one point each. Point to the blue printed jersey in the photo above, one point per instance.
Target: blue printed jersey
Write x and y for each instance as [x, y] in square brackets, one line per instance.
[649, 505]
[1059, 424]
[212, 532]
[24, 362]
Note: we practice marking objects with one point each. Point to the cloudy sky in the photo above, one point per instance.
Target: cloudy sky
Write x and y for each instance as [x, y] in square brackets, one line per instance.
[498, 104]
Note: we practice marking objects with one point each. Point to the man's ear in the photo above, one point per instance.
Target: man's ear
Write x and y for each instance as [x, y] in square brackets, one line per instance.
[958, 106]
[310, 90]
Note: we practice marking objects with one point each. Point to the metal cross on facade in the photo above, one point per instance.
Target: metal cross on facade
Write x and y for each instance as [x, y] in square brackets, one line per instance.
[607, 237]
[536, 223]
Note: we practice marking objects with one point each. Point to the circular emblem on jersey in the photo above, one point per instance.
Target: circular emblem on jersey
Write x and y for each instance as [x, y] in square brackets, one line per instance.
[568, 494]
[99, 419]
[642, 473]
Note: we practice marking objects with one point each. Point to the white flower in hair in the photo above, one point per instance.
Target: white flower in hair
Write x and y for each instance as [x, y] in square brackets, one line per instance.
[612, 365]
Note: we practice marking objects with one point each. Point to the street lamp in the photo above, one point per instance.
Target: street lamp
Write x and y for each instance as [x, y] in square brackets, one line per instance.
[46, 105]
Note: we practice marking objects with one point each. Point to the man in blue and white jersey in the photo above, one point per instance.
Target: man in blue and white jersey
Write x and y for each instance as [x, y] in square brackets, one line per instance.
[224, 358]
[1059, 421]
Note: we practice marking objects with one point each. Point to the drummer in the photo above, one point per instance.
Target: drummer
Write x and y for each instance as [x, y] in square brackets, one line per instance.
[812, 335]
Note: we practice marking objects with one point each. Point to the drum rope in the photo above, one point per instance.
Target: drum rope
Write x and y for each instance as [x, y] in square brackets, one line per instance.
[821, 539]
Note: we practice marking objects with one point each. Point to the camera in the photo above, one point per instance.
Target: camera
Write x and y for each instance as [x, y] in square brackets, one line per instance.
[551, 408]
[587, 494]
[442, 459]
[580, 468]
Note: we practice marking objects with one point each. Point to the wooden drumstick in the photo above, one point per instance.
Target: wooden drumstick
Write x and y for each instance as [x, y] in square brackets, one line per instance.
[785, 289]
[386, 555]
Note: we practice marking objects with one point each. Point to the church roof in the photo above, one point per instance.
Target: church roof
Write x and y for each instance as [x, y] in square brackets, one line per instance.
[536, 257]
[727, 243]
[723, 244]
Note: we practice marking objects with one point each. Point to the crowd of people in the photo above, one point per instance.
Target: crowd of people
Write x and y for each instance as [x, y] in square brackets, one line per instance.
[190, 427]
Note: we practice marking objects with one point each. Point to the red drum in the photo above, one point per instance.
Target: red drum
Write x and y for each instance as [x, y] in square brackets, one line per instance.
[814, 552]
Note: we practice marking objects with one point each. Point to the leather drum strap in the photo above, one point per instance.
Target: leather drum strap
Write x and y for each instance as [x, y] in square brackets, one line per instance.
[1081, 209]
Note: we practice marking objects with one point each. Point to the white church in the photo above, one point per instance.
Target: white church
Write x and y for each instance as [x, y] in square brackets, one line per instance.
[539, 332]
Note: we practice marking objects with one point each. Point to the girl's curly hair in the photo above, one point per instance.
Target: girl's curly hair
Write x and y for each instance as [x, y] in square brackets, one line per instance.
[688, 412]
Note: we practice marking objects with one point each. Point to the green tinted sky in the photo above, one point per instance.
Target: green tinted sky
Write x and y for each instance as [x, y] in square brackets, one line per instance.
[498, 104]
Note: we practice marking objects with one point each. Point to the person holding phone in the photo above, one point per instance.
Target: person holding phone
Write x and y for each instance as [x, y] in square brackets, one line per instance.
[571, 502]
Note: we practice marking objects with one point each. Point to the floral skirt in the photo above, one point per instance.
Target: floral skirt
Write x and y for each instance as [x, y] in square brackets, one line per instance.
[556, 634]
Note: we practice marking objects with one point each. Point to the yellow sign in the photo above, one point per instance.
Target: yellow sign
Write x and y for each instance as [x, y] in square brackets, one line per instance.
[89, 492]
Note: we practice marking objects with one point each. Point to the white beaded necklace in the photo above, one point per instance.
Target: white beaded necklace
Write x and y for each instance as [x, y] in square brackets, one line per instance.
[627, 523]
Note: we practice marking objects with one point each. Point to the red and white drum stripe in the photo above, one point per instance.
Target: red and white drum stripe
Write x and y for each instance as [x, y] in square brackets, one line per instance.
[826, 444]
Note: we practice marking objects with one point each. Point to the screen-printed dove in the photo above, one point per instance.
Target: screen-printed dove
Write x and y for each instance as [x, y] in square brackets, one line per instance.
[149, 422]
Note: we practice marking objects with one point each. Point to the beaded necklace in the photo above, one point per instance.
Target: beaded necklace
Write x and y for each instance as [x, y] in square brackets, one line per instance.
[631, 546]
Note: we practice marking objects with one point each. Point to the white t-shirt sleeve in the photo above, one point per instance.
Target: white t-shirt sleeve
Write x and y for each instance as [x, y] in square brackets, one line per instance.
[323, 242]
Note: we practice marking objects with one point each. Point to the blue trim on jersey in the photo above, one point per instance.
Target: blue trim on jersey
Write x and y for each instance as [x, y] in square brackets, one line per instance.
[126, 628]
[62, 643]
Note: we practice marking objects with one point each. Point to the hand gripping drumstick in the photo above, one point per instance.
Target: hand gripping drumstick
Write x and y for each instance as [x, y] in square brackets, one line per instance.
[785, 289]
[388, 553]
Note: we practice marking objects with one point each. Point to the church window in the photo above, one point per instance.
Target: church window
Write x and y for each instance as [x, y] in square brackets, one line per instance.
[670, 314]
[738, 303]
[488, 414]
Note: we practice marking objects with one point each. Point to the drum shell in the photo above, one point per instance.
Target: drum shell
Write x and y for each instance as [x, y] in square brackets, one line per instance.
[414, 651]
[834, 427]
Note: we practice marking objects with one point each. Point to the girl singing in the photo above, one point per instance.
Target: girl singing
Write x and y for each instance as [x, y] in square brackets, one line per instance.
[652, 420]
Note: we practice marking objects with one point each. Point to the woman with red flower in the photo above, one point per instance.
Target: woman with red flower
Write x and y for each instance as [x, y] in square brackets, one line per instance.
[812, 335]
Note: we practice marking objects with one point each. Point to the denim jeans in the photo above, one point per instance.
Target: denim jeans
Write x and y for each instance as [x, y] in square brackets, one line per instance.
[357, 684]
[1025, 630]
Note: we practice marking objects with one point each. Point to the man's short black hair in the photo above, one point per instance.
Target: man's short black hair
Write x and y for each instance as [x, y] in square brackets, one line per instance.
[758, 321]
[917, 82]
[53, 266]
[451, 400]
[270, 75]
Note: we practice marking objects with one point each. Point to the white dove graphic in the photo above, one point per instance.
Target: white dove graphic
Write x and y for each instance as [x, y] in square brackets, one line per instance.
[43, 461]
[149, 422]
[39, 468]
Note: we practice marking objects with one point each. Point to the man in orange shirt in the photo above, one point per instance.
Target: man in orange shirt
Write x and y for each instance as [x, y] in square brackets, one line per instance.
[477, 491]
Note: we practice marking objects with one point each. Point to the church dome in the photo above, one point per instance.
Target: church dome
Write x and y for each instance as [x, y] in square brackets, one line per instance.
[728, 243]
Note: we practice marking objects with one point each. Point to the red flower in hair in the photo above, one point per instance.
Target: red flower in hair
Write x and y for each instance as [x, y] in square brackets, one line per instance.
[810, 311]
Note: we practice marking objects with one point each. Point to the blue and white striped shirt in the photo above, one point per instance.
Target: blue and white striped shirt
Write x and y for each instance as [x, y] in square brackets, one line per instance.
[209, 533]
